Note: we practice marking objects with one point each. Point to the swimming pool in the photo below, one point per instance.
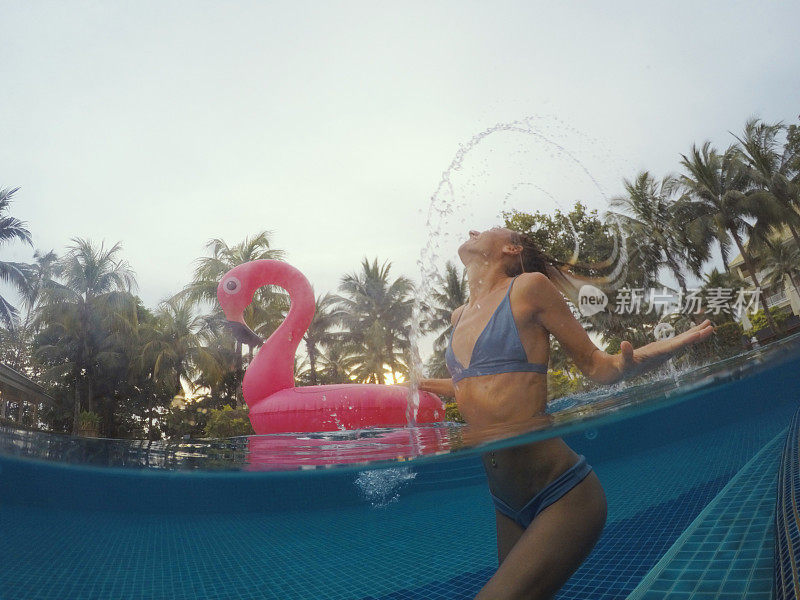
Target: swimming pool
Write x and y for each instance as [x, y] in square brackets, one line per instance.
[689, 465]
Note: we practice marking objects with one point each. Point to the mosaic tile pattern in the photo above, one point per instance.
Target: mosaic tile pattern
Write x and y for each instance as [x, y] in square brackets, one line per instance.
[654, 496]
[726, 552]
[787, 535]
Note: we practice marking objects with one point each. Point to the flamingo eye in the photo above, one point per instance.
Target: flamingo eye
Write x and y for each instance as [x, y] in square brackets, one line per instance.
[232, 285]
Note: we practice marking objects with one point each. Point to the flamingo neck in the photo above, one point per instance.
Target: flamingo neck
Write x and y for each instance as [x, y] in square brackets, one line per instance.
[272, 369]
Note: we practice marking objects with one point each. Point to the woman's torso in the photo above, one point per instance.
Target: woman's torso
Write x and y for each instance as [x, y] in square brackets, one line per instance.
[515, 474]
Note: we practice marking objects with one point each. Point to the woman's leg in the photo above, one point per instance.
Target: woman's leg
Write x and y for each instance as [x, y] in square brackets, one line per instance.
[537, 562]
[508, 533]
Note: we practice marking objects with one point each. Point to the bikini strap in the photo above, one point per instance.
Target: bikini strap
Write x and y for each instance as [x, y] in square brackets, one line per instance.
[457, 320]
[508, 295]
[508, 292]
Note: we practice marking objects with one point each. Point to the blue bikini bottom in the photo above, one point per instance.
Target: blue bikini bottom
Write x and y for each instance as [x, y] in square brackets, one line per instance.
[552, 492]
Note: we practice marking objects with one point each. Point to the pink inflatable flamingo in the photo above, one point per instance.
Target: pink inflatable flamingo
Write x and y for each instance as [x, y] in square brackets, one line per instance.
[276, 406]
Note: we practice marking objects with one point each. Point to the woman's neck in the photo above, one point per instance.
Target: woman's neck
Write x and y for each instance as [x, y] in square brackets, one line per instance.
[483, 279]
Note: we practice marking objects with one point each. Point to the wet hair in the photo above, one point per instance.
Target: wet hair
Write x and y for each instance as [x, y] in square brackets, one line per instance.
[532, 258]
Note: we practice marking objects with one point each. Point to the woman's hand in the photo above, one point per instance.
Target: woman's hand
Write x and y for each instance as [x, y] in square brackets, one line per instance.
[632, 362]
[441, 387]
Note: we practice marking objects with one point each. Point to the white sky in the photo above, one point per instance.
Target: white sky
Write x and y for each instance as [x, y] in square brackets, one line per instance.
[165, 124]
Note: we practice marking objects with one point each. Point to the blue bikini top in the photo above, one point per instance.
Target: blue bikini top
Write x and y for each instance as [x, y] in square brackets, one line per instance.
[498, 348]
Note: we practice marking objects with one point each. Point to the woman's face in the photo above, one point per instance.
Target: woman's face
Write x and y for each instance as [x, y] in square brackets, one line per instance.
[487, 244]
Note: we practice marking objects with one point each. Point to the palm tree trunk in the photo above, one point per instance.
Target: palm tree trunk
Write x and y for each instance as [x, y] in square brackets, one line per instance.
[679, 276]
[76, 415]
[794, 283]
[751, 267]
[676, 270]
[150, 418]
[392, 365]
[21, 342]
[312, 361]
[89, 398]
[107, 424]
[795, 235]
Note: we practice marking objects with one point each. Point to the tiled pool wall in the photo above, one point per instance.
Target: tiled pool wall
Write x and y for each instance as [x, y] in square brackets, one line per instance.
[787, 518]
[418, 530]
[726, 551]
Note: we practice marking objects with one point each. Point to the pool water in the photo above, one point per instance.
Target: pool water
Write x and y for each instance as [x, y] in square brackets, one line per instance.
[690, 473]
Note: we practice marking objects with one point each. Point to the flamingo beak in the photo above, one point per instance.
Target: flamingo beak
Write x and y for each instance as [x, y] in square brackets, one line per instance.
[244, 334]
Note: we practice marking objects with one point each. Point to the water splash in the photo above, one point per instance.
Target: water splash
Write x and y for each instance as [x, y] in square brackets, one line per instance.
[445, 203]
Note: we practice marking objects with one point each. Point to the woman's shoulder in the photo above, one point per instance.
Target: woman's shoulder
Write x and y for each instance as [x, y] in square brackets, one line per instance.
[531, 282]
[532, 278]
[532, 289]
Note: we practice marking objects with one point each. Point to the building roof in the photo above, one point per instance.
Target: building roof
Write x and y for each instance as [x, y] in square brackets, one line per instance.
[18, 381]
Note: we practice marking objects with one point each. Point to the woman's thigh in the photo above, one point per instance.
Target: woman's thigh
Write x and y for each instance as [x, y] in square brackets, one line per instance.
[508, 534]
[537, 561]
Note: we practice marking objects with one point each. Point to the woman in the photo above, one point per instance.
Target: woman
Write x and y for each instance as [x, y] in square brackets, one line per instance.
[550, 508]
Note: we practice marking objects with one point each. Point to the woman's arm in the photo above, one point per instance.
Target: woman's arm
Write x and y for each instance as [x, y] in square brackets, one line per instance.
[442, 387]
[550, 309]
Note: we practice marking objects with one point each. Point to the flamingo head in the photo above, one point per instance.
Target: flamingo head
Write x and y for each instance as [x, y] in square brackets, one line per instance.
[235, 293]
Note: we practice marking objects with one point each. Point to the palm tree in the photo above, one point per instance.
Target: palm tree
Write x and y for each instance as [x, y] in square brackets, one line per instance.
[15, 273]
[452, 293]
[335, 362]
[209, 270]
[792, 147]
[40, 278]
[771, 170]
[318, 334]
[269, 305]
[127, 386]
[717, 203]
[75, 313]
[375, 314]
[784, 261]
[177, 349]
[717, 279]
[223, 383]
[653, 220]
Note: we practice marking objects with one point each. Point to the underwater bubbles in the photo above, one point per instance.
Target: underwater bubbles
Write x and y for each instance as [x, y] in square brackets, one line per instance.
[380, 487]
